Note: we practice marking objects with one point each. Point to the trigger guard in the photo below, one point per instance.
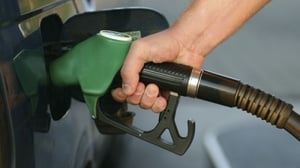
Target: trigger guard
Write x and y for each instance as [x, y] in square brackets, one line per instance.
[114, 111]
[180, 145]
[108, 105]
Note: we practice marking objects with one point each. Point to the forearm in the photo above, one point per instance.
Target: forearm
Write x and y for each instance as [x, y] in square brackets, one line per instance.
[206, 23]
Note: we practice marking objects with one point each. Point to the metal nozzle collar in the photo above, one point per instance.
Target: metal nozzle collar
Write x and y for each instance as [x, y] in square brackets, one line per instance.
[194, 82]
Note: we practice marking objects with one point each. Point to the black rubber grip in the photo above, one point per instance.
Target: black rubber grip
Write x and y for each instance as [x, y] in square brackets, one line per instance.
[168, 76]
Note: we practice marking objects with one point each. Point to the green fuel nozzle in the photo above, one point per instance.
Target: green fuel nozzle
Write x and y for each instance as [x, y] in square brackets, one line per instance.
[92, 64]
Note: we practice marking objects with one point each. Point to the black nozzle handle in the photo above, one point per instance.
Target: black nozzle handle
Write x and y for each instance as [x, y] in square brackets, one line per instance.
[187, 81]
[168, 76]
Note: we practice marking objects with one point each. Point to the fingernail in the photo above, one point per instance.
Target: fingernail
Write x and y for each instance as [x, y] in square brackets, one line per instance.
[159, 103]
[126, 89]
[139, 91]
[150, 93]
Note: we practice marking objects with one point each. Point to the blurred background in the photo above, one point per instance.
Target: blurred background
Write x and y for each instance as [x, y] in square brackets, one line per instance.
[263, 53]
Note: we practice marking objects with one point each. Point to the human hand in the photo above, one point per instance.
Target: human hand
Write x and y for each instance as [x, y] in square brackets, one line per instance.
[161, 47]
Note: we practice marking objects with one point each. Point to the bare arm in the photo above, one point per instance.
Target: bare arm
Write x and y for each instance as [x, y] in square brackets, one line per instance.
[206, 23]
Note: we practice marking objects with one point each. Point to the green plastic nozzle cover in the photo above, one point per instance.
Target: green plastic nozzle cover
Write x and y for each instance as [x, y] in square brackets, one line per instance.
[92, 64]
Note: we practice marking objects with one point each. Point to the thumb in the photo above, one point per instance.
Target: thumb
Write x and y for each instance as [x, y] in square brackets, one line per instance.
[131, 69]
